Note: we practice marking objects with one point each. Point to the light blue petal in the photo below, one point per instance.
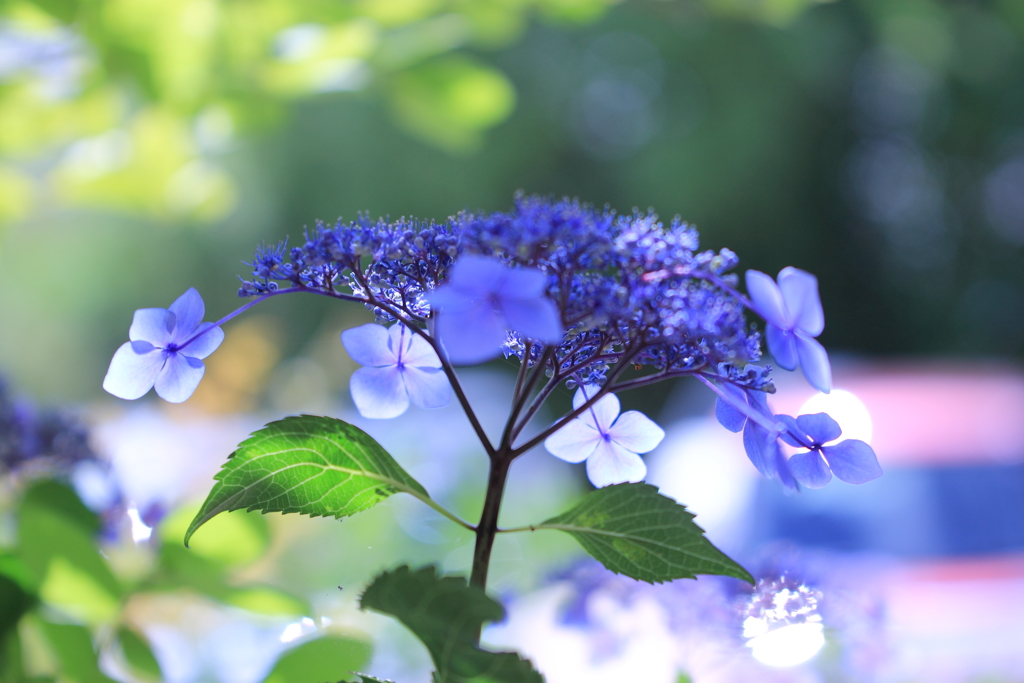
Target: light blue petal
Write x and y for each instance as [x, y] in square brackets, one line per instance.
[379, 393]
[204, 342]
[369, 345]
[819, 427]
[523, 283]
[800, 292]
[728, 416]
[782, 344]
[602, 414]
[794, 434]
[179, 377]
[767, 299]
[427, 387]
[153, 325]
[636, 432]
[782, 471]
[133, 370]
[814, 362]
[478, 275]
[450, 299]
[757, 443]
[188, 310]
[472, 336]
[853, 461]
[575, 442]
[536, 319]
[584, 393]
[810, 469]
[612, 464]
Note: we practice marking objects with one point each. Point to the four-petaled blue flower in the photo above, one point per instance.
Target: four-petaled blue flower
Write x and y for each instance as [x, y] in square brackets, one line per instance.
[851, 460]
[401, 367]
[792, 309]
[609, 445]
[166, 349]
[760, 443]
[483, 300]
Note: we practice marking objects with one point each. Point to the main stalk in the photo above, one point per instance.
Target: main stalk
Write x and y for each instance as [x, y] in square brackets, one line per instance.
[487, 529]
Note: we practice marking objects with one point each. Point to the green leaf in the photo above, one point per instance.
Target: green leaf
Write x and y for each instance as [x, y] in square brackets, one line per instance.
[62, 500]
[328, 658]
[633, 530]
[14, 602]
[447, 615]
[363, 678]
[311, 465]
[74, 649]
[138, 653]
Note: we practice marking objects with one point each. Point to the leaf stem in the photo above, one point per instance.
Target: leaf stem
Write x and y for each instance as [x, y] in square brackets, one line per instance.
[430, 502]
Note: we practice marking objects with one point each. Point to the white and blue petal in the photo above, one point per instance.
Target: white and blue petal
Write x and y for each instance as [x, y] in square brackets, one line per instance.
[636, 432]
[153, 325]
[809, 469]
[417, 352]
[369, 345]
[728, 416]
[205, 341]
[853, 461]
[793, 434]
[427, 387]
[133, 370]
[575, 442]
[800, 292]
[814, 362]
[379, 393]
[188, 310]
[767, 299]
[602, 414]
[610, 464]
[179, 377]
[523, 283]
[478, 275]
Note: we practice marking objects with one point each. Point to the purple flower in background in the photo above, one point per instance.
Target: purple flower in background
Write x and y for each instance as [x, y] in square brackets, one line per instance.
[609, 442]
[401, 367]
[483, 300]
[760, 443]
[792, 309]
[852, 460]
[166, 349]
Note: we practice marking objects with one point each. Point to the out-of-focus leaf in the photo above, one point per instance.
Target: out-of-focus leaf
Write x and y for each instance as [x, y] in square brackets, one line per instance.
[14, 602]
[450, 101]
[363, 678]
[138, 653]
[329, 658]
[57, 546]
[77, 592]
[446, 614]
[74, 649]
[17, 194]
[310, 465]
[266, 600]
[61, 499]
[232, 540]
[633, 530]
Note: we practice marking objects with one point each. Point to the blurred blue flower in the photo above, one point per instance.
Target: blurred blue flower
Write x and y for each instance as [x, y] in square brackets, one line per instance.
[851, 460]
[166, 349]
[609, 442]
[483, 300]
[793, 311]
[401, 367]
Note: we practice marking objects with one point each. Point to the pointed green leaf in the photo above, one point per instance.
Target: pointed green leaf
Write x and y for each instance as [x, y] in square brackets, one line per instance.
[328, 658]
[363, 678]
[634, 530]
[446, 615]
[315, 466]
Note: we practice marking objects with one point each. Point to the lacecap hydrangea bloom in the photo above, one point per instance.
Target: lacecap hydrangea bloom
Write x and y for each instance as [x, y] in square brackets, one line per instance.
[578, 296]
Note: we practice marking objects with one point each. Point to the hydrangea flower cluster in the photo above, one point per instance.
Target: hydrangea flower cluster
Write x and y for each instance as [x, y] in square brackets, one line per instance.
[583, 297]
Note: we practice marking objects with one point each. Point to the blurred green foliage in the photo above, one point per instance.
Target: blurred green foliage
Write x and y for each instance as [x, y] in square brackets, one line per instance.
[66, 608]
